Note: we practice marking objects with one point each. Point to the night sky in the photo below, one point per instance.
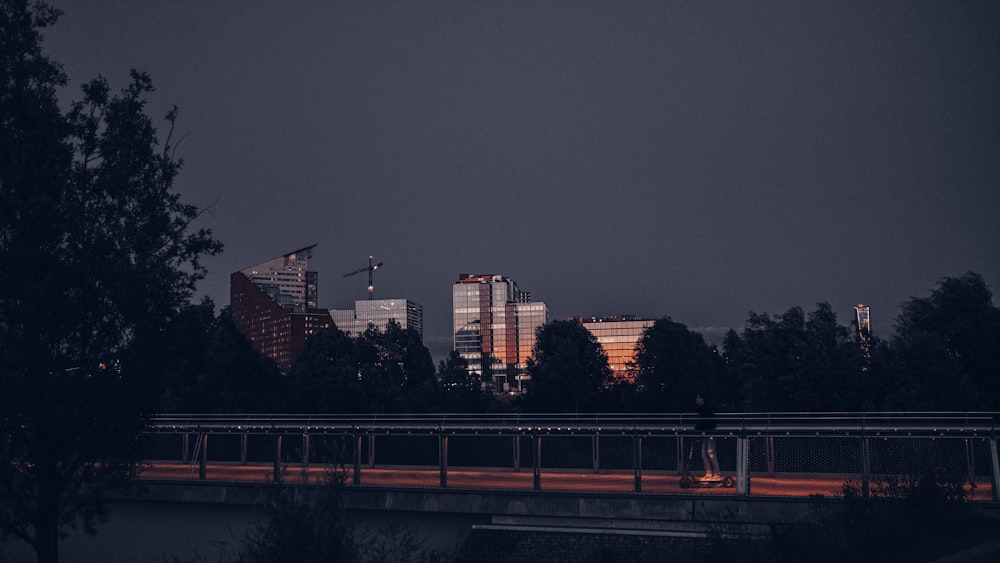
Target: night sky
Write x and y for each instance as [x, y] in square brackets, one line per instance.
[698, 160]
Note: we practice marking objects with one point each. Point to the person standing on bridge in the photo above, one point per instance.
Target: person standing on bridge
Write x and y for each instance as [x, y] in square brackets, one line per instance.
[706, 423]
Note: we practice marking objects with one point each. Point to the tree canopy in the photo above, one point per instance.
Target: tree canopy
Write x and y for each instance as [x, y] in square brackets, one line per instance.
[569, 369]
[99, 254]
[379, 371]
[673, 364]
[946, 351]
[795, 362]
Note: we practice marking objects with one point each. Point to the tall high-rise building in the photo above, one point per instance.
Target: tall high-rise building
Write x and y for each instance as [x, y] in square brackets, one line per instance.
[378, 313]
[618, 336]
[862, 313]
[494, 326]
[274, 305]
[863, 316]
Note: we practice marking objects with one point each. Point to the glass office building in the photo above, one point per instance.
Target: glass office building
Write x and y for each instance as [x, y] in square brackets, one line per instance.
[494, 328]
[378, 313]
[618, 335]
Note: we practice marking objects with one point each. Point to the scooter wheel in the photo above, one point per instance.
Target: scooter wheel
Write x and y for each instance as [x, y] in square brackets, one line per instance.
[685, 482]
[728, 482]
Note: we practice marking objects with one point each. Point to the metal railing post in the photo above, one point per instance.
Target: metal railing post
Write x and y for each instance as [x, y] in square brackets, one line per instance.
[970, 464]
[443, 459]
[357, 458]
[517, 452]
[996, 468]
[371, 451]
[536, 461]
[866, 466]
[277, 458]
[305, 450]
[203, 459]
[743, 465]
[595, 450]
[770, 455]
[637, 462]
[243, 448]
[680, 455]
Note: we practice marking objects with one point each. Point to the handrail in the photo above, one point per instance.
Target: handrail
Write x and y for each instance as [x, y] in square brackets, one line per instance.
[872, 423]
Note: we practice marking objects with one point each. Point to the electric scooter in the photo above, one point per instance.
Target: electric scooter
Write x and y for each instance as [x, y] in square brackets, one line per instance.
[688, 480]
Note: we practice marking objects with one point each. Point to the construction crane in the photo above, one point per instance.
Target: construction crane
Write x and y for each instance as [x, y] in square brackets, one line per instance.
[370, 268]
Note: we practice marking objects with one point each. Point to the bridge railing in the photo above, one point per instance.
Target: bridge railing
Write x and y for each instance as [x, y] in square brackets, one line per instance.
[857, 447]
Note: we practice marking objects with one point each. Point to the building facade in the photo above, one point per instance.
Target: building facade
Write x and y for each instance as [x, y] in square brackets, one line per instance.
[618, 336]
[274, 305]
[378, 313]
[862, 314]
[494, 328]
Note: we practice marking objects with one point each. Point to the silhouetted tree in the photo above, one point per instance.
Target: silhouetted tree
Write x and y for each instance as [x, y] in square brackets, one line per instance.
[672, 364]
[460, 391]
[326, 377]
[236, 377]
[569, 369]
[206, 365]
[397, 371]
[177, 359]
[796, 362]
[302, 524]
[379, 371]
[202, 363]
[947, 349]
[308, 524]
[99, 254]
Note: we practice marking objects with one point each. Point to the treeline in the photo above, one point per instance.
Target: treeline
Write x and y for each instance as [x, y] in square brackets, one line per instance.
[204, 364]
[944, 355]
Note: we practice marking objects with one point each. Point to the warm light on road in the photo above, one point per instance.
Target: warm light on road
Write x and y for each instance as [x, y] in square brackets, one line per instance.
[621, 482]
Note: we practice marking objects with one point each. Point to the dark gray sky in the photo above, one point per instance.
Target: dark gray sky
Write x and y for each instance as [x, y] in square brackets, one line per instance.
[698, 160]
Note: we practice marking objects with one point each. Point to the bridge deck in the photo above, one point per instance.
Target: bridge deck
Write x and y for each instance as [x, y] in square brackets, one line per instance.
[563, 481]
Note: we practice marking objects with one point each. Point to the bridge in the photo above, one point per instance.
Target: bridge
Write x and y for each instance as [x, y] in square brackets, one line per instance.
[584, 476]
[769, 454]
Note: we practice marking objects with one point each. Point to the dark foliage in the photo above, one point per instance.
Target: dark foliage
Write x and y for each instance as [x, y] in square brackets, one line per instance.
[99, 256]
[204, 364]
[460, 391]
[795, 362]
[302, 524]
[387, 371]
[946, 352]
[673, 364]
[569, 369]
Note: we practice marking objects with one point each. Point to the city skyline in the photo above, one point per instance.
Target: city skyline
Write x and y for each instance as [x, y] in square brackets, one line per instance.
[650, 158]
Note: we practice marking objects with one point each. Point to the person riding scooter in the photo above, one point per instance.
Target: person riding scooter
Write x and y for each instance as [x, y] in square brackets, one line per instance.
[706, 423]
